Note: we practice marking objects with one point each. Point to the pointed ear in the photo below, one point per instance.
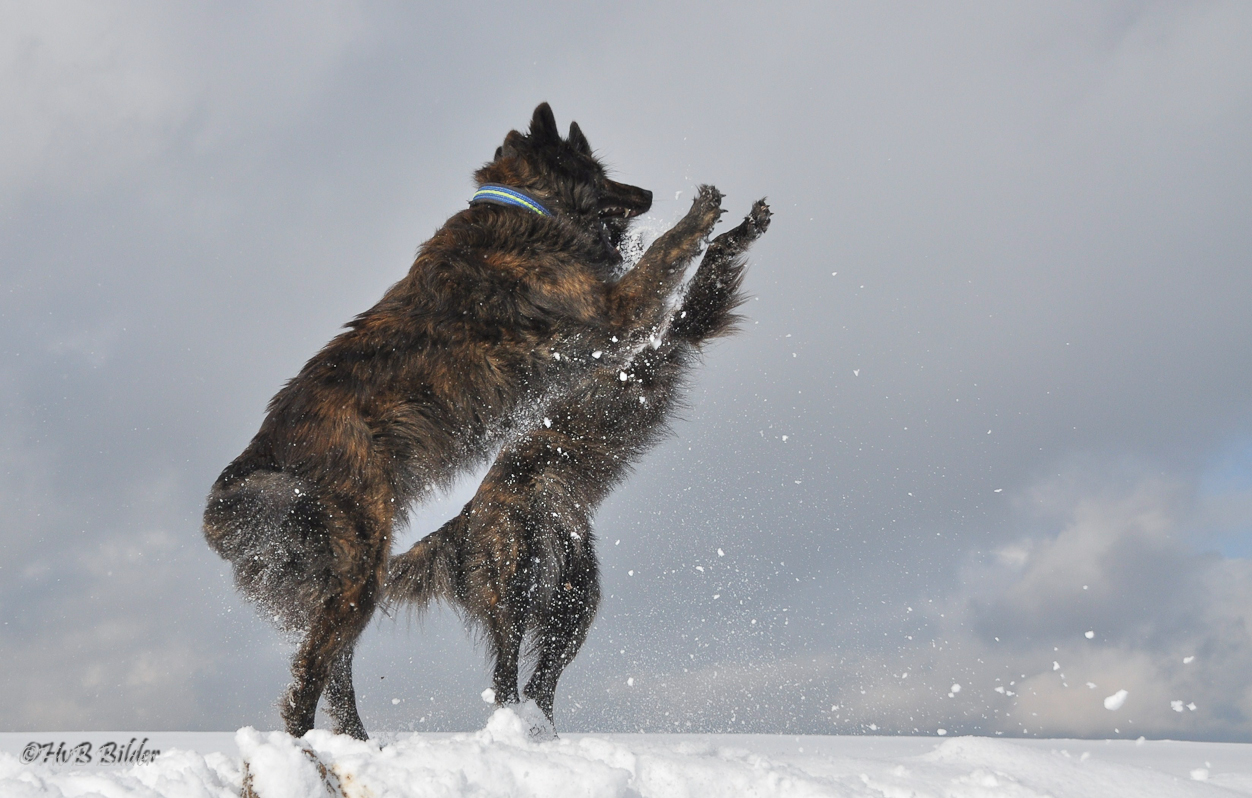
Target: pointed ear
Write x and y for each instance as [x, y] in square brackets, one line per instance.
[577, 140]
[543, 124]
[511, 145]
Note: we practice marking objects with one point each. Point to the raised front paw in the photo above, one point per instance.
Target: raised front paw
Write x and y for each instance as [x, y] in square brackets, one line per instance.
[737, 239]
[706, 208]
[677, 246]
[757, 220]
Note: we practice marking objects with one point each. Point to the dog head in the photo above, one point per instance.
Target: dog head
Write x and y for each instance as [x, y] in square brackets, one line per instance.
[564, 175]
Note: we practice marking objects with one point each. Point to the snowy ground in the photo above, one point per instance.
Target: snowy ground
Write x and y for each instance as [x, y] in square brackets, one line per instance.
[502, 761]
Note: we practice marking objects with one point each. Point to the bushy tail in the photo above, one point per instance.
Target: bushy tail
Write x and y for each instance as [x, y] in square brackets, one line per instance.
[425, 571]
[272, 531]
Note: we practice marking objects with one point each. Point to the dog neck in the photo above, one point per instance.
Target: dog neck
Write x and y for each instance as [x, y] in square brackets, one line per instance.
[496, 194]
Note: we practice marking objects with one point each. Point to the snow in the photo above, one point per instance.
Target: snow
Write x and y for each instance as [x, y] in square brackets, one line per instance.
[1116, 700]
[507, 759]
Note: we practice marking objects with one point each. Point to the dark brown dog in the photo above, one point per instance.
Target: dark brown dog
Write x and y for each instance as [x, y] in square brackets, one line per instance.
[519, 558]
[501, 310]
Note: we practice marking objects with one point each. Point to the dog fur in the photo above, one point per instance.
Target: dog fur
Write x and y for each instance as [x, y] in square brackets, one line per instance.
[520, 558]
[498, 315]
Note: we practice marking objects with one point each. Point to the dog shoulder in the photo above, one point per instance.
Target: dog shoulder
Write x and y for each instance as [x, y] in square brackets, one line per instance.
[565, 289]
[502, 264]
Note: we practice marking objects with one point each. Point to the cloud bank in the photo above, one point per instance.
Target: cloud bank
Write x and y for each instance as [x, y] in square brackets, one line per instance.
[997, 351]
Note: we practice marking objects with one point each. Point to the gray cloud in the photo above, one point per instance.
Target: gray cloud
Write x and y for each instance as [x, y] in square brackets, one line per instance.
[1010, 244]
[1168, 623]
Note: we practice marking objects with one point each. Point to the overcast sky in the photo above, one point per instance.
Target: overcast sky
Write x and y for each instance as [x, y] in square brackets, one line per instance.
[989, 424]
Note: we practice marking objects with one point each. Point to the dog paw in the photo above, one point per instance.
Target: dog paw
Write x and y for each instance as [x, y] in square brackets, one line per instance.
[521, 722]
[708, 204]
[736, 240]
[708, 195]
[757, 220]
[541, 729]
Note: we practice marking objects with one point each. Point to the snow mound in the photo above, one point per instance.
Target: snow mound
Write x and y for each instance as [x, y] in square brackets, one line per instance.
[515, 755]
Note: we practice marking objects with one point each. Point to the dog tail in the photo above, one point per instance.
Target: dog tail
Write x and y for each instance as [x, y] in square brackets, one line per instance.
[272, 529]
[425, 571]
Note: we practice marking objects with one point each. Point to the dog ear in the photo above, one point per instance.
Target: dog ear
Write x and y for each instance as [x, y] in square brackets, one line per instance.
[577, 140]
[512, 144]
[543, 125]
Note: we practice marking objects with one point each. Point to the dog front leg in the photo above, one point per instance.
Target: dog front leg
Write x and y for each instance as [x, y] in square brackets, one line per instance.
[713, 294]
[637, 302]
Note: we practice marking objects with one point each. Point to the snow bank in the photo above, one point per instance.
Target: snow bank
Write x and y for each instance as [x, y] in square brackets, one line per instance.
[503, 760]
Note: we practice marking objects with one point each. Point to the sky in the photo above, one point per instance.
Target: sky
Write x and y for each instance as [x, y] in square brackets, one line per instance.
[988, 426]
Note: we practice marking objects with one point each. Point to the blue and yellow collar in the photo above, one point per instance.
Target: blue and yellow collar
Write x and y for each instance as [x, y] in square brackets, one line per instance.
[494, 194]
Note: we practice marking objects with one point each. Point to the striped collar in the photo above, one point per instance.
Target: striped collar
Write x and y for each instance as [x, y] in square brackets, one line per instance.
[495, 194]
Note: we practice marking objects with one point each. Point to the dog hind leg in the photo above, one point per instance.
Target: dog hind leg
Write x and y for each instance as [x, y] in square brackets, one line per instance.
[359, 539]
[564, 629]
[333, 633]
[480, 563]
[341, 697]
[336, 626]
[505, 632]
[502, 583]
